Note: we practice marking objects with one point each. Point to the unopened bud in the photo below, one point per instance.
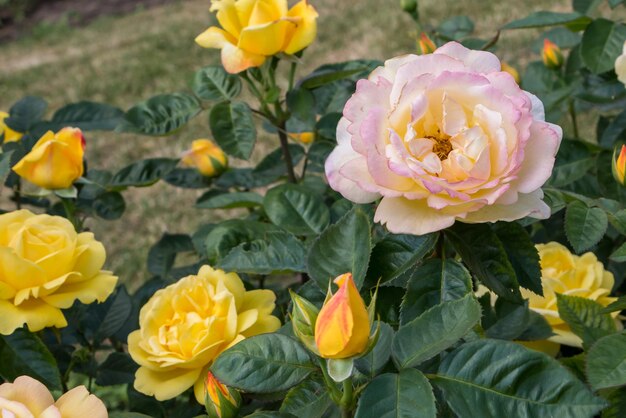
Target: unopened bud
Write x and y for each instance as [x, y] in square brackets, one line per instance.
[425, 45]
[551, 55]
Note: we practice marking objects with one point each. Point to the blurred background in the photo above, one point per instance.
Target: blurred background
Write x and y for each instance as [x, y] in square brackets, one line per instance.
[123, 51]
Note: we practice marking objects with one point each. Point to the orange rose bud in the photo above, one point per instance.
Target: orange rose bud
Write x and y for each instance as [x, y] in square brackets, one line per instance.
[219, 400]
[56, 160]
[342, 327]
[512, 71]
[206, 156]
[425, 45]
[619, 164]
[303, 137]
[551, 55]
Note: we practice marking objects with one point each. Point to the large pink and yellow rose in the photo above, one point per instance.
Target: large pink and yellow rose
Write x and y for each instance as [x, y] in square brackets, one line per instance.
[27, 397]
[442, 137]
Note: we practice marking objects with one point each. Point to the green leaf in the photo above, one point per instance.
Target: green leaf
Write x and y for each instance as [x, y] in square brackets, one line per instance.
[404, 395]
[214, 83]
[606, 362]
[343, 247]
[25, 113]
[585, 6]
[584, 226]
[545, 18]
[435, 330]
[613, 131]
[161, 114]
[270, 414]
[297, 209]
[233, 128]
[485, 256]
[495, 379]
[263, 364]
[276, 252]
[432, 283]
[143, 173]
[109, 205]
[618, 305]
[601, 45]
[215, 199]
[573, 161]
[233, 232]
[300, 103]
[512, 321]
[187, 178]
[522, 254]
[102, 320]
[619, 255]
[23, 353]
[396, 254]
[162, 255]
[617, 409]
[117, 369]
[372, 363]
[309, 399]
[456, 28]
[88, 116]
[585, 318]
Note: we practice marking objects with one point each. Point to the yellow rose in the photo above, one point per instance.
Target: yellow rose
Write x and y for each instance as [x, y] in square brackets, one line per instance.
[44, 267]
[185, 326]
[342, 327]
[255, 29]
[219, 399]
[9, 134]
[568, 274]
[55, 161]
[206, 156]
[26, 397]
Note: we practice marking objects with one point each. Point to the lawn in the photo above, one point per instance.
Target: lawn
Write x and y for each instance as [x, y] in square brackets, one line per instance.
[122, 60]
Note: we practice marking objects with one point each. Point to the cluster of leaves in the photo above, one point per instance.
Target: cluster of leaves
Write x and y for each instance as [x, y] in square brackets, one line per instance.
[441, 351]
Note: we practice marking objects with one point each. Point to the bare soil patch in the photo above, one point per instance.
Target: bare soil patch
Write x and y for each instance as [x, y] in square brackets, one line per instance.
[73, 12]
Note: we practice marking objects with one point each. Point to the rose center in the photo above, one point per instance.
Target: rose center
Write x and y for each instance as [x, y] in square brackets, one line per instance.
[441, 146]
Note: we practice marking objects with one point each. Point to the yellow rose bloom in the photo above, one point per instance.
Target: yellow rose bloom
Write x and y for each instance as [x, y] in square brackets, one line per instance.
[342, 327]
[185, 326]
[45, 266]
[568, 274]
[206, 156]
[9, 134]
[27, 397]
[55, 161]
[253, 30]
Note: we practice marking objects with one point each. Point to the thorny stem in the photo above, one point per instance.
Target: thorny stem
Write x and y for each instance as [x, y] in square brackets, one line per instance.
[335, 394]
[70, 211]
[292, 75]
[284, 144]
[346, 399]
[17, 194]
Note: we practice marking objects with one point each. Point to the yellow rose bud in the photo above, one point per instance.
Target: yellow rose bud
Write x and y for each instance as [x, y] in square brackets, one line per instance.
[220, 401]
[425, 45]
[9, 134]
[252, 30]
[56, 160]
[342, 328]
[206, 156]
[303, 137]
[27, 397]
[185, 326]
[568, 274]
[551, 55]
[45, 266]
[619, 164]
[508, 69]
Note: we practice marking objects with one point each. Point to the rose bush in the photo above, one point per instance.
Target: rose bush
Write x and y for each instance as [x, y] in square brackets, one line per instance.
[185, 326]
[442, 137]
[46, 266]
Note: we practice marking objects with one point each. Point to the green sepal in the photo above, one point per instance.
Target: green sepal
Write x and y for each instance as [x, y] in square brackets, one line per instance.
[340, 369]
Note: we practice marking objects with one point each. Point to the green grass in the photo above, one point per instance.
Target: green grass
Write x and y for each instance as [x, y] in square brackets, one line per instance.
[126, 59]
